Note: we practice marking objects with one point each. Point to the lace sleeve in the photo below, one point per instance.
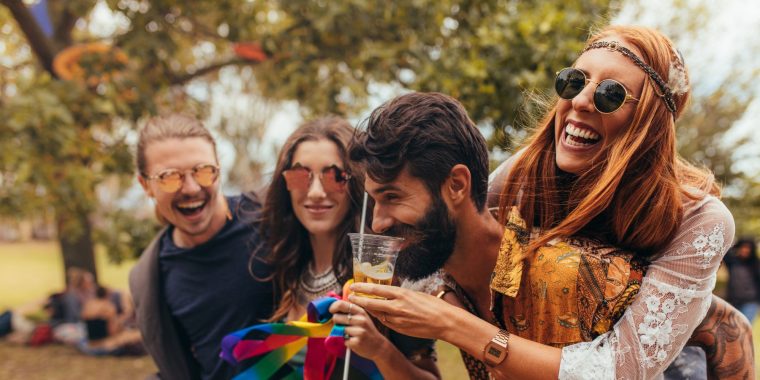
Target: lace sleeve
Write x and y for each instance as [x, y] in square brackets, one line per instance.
[674, 298]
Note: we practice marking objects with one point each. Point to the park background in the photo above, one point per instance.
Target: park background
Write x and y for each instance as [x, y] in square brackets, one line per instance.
[78, 77]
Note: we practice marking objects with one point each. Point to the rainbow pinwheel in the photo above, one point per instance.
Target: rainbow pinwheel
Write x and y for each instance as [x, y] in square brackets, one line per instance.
[276, 343]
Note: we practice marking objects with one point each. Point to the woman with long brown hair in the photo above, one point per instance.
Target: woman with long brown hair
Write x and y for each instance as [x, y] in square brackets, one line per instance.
[313, 202]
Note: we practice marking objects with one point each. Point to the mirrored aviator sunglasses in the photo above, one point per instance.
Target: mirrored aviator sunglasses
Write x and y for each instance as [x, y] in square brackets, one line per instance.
[171, 181]
[609, 94]
[333, 178]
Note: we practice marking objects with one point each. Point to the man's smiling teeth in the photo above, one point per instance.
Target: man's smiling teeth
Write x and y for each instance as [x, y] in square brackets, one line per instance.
[580, 137]
[195, 204]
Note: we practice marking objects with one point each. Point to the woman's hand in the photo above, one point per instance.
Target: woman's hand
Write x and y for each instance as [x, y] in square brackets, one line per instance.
[406, 311]
[363, 337]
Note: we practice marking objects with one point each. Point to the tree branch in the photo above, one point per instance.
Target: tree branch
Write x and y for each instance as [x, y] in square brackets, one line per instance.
[176, 79]
[36, 38]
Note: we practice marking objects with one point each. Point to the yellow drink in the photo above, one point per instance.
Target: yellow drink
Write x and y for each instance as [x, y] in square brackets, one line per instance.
[374, 258]
[358, 275]
[373, 274]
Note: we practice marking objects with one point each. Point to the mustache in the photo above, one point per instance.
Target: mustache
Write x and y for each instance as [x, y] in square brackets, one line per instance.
[411, 234]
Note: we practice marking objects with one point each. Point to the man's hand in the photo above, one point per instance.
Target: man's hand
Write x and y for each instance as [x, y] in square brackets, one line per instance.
[406, 311]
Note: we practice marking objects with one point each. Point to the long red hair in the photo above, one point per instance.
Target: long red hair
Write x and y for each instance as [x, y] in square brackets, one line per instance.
[632, 195]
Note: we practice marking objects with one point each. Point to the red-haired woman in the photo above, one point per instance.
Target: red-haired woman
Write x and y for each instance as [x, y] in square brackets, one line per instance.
[603, 165]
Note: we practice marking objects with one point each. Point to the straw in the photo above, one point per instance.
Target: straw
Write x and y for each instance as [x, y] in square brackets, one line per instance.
[361, 245]
[361, 226]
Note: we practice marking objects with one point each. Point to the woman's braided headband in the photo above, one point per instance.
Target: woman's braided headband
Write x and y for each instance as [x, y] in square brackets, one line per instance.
[665, 92]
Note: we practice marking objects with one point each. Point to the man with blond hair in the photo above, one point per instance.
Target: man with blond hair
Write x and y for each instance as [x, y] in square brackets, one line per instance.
[192, 284]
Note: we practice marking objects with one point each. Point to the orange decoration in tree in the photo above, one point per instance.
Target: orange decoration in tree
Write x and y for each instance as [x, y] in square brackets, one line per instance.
[250, 51]
[91, 63]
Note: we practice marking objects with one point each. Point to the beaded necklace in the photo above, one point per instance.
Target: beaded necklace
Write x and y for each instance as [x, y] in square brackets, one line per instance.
[315, 285]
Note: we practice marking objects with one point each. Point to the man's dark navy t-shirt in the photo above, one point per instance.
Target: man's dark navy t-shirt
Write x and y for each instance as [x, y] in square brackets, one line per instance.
[210, 291]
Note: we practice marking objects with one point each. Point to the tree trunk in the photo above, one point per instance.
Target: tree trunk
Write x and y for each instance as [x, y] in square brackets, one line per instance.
[39, 43]
[76, 247]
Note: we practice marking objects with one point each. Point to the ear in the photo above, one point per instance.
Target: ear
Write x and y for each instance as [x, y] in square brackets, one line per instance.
[145, 186]
[457, 187]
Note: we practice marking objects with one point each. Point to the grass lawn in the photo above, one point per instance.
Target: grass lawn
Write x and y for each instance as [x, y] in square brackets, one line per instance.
[31, 271]
[59, 362]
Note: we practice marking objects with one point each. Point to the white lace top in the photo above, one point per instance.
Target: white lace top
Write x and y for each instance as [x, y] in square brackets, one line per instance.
[674, 298]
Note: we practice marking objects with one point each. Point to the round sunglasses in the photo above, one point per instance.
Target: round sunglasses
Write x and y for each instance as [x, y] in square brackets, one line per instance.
[171, 180]
[609, 94]
[300, 177]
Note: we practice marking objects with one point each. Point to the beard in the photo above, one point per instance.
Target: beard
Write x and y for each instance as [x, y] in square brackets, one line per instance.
[429, 243]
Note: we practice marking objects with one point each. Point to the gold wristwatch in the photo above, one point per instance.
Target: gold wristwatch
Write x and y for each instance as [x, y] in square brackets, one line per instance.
[497, 349]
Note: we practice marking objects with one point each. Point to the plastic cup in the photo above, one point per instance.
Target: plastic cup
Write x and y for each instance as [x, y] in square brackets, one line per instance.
[375, 261]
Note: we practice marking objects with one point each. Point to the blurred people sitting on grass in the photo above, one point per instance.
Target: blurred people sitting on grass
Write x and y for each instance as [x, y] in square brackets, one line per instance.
[65, 308]
[191, 285]
[26, 324]
[52, 319]
[80, 288]
[743, 290]
[105, 330]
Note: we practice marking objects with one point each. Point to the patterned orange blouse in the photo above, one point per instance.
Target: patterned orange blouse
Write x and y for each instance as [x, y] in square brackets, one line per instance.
[570, 291]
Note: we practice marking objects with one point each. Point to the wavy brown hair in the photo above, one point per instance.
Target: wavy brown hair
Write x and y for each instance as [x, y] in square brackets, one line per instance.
[633, 193]
[287, 238]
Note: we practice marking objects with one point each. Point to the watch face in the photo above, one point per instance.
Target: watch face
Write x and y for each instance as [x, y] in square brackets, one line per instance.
[497, 349]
